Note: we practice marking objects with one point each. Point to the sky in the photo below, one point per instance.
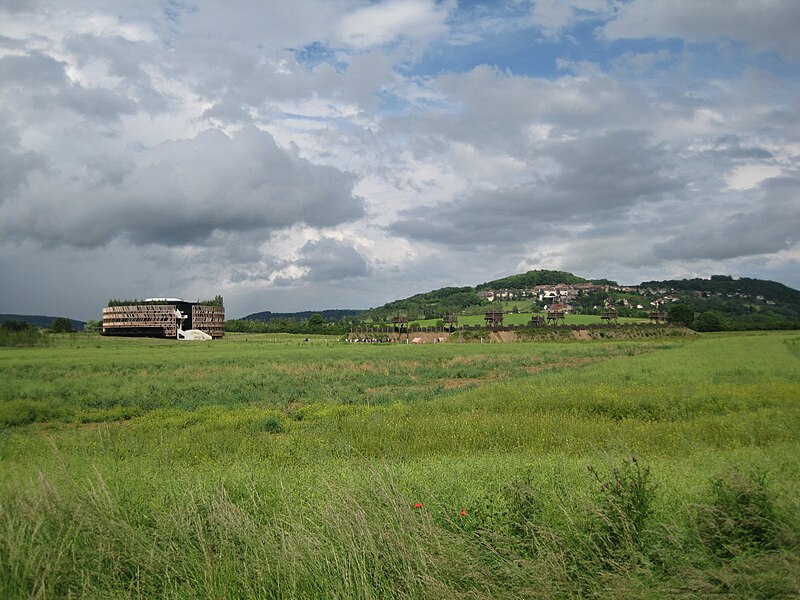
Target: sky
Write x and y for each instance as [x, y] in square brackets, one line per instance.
[321, 154]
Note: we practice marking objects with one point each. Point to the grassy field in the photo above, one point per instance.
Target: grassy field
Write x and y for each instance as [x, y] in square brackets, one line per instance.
[268, 467]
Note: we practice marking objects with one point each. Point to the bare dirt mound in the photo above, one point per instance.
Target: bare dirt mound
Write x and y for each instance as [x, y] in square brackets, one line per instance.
[422, 337]
[428, 338]
[503, 336]
[581, 334]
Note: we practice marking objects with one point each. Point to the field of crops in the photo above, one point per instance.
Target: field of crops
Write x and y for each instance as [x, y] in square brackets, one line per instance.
[268, 467]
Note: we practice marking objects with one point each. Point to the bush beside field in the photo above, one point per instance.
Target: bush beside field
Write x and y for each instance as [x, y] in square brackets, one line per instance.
[274, 468]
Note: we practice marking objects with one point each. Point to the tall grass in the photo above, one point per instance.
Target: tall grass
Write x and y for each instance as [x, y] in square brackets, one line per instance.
[221, 484]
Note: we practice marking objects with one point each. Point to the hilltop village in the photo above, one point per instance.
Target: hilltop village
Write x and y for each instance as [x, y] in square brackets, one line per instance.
[629, 297]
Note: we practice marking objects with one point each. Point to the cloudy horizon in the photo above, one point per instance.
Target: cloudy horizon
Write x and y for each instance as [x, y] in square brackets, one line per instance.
[345, 153]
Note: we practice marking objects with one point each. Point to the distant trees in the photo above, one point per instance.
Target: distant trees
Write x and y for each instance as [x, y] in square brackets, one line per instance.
[708, 321]
[314, 324]
[20, 333]
[13, 326]
[93, 326]
[215, 301]
[680, 314]
[61, 325]
[316, 321]
[124, 302]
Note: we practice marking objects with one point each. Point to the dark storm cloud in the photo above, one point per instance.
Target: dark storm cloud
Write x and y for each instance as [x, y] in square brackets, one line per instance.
[599, 176]
[182, 191]
[124, 59]
[44, 82]
[15, 163]
[773, 226]
[34, 69]
[331, 260]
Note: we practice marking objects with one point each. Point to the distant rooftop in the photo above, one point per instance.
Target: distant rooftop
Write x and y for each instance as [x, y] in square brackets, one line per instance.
[164, 300]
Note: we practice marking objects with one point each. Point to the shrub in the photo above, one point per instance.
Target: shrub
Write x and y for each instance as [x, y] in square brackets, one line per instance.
[28, 336]
[270, 425]
[22, 412]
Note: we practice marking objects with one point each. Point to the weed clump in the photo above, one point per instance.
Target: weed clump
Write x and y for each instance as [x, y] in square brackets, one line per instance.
[268, 425]
[622, 513]
[14, 413]
[741, 516]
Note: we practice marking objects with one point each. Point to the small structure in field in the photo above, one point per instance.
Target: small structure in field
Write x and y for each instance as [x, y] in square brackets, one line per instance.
[493, 318]
[400, 323]
[609, 314]
[537, 321]
[556, 313]
[657, 316]
[450, 321]
[165, 317]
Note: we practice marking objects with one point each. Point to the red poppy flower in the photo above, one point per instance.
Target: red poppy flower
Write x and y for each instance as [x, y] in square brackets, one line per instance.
[418, 505]
[463, 512]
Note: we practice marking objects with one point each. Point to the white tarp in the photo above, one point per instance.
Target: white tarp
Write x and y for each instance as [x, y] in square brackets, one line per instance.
[193, 335]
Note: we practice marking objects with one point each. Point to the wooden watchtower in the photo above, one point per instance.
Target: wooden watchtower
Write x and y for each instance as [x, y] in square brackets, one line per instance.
[657, 316]
[556, 313]
[450, 321]
[609, 314]
[537, 321]
[400, 324]
[493, 318]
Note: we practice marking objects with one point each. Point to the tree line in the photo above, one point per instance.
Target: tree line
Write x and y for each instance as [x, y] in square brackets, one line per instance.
[315, 324]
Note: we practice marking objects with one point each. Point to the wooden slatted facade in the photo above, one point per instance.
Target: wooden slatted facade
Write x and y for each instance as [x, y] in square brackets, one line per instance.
[152, 320]
[161, 320]
[210, 319]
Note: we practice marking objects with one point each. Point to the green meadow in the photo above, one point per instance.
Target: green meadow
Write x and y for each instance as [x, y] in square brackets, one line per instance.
[263, 466]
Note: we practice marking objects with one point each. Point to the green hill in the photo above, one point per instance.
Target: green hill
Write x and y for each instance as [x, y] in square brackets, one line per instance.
[743, 303]
[744, 300]
[538, 277]
[455, 300]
